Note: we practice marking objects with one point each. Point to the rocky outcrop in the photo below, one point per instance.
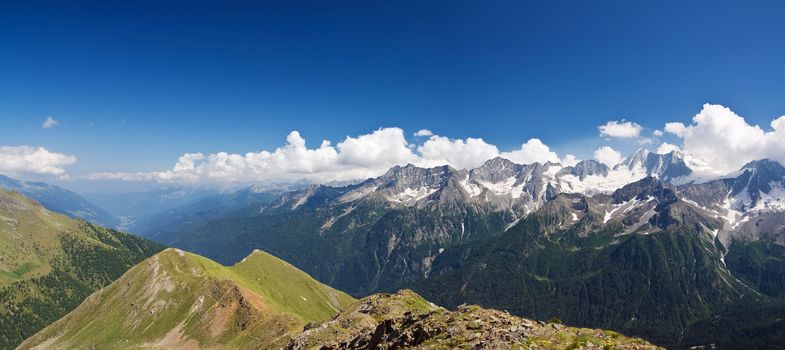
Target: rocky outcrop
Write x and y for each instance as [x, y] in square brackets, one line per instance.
[406, 321]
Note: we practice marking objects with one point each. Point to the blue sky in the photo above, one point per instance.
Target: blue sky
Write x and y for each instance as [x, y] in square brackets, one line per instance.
[135, 85]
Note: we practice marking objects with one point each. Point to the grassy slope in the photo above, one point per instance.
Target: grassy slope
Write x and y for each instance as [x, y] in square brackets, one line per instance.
[182, 300]
[49, 263]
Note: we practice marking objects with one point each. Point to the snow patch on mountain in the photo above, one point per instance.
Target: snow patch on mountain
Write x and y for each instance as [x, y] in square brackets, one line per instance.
[772, 201]
[593, 184]
[500, 188]
[471, 188]
[410, 195]
[358, 193]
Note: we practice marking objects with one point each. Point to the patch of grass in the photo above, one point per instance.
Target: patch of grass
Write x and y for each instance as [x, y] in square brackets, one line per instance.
[554, 320]
[583, 340]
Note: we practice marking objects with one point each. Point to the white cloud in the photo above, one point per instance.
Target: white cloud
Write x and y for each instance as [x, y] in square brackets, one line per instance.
[717, 142]
[675, 128]
[18, 160]
[461, 154]
[382, 148]
[423, 132]
[608, 156]
[621, 129]
[666, 148]
[49, 122]
[645, 141]
[720, 141]
[569, 160]
[354, 158]
[532, 151]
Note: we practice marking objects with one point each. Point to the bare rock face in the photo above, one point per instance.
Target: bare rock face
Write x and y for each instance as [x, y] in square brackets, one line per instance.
[406, 321]
[586, 168]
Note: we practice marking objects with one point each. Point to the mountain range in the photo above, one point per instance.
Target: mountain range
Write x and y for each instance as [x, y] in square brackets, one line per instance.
[384, 232]
[644, 247]
[60, 200]
[586, 243]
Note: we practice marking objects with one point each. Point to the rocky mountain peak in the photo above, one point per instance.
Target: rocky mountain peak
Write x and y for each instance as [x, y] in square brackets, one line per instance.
[641, 189]
[758, 179]
[497, 170]
[411, 176]
[497, 163]
[667, 167]
[765, 165]
[586, 168]
[638, 158]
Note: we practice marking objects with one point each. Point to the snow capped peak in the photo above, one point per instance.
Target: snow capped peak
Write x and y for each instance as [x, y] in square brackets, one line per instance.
[637, 159]
[407, 185]
[411, 174]
[509, 184]
[496, 170]
[758, 184]
[498, 163]
[587, 168]
[502, 184]
[669, 166]
[765, 164]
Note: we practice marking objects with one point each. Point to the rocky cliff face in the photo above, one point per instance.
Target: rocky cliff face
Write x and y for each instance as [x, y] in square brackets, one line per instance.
[586, 168]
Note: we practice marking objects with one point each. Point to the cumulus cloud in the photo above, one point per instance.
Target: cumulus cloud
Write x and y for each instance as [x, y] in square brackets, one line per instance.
[353, 158]
[608, 156]
[620, 129]
[532, 151]
[382, 148]
[423, 132]
[461, 154]
[49, 122]
[19, 160]
[666, 148]
[569, 160]
[721, 141]
[675, 128]
[645, 141]
[716, 142]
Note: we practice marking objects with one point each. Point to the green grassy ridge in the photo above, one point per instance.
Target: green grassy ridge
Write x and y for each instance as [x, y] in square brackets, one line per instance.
[197, 302]
[287, 288]
[50, 263]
